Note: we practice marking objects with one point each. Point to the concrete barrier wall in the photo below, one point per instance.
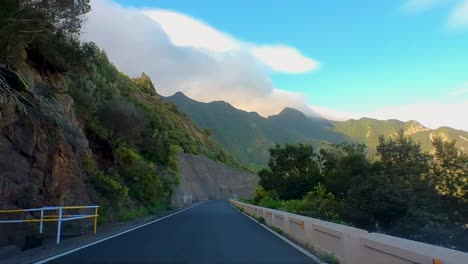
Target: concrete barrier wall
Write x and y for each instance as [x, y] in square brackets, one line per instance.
[352, 245]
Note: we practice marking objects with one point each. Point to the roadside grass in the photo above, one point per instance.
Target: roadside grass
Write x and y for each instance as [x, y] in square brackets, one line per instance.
[141, 211]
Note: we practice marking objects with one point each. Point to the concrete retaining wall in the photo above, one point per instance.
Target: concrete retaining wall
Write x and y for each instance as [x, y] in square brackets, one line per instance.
[352, 245]
[204, 179]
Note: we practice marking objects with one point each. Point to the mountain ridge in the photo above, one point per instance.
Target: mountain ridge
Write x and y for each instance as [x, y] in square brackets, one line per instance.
[248, 135]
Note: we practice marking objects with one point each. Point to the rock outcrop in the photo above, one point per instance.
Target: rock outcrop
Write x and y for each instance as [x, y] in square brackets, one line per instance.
[205, 179]
[39, 165]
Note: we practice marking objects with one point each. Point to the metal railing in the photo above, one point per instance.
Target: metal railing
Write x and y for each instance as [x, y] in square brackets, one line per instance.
[59, 217]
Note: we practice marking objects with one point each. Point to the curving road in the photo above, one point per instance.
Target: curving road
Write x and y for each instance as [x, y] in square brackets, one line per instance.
[213, 232]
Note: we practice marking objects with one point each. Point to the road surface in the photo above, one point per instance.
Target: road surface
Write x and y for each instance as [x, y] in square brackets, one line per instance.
[213, 232]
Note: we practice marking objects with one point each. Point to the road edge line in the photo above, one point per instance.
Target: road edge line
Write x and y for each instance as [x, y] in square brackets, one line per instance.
[113, 236]
[291, 243]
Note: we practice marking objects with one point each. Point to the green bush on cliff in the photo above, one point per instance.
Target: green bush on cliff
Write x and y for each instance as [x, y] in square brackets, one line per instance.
[107, 185]
[141, 176]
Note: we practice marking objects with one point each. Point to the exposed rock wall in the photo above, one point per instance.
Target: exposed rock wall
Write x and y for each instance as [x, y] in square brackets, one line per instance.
[38, 164]
[205, 179]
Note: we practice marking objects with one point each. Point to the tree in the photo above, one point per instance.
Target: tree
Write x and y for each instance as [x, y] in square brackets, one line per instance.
[449, 170]
[394, 191]
[342, 163]
[376, 202]
[122, 120]
[402, 157]
[65, 15]
[292, 172]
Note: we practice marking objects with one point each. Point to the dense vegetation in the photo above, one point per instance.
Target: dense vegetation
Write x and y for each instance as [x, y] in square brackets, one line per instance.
[248, 136]
[127, 138]
[405, 192]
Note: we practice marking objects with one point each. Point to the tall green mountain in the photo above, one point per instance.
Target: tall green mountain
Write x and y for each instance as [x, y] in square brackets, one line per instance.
[247, 135]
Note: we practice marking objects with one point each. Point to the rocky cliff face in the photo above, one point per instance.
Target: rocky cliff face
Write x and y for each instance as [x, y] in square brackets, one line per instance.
[205, 179]
[39, 165]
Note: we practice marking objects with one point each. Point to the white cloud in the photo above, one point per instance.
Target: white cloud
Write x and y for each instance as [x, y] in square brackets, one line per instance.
[204, 71]
[419, 5]
[284, 59]
[334, 114]
[458, 19]
[185, 31]
[276, 101]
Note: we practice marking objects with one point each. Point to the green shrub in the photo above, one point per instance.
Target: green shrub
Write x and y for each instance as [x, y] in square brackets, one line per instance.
[261, 220]
[262, 194]
[271, 203]
[294, 206]
[109, 187]
[140, 176]
[132, 213]
[329, 258]
[141, 211]
[158, 207]
[321, 204]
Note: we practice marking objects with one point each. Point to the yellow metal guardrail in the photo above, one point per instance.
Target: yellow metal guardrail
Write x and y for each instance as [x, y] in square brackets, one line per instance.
[59, 217]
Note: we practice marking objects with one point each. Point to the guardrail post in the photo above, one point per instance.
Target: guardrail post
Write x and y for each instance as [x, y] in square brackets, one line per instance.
[42, 222]
[95, 219]
[59, 226]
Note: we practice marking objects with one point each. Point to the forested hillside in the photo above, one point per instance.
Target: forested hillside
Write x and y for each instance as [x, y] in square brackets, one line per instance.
[73, 129]
[248, 135]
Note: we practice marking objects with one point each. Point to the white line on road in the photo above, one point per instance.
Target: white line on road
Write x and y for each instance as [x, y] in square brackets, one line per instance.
[294, 245]
[112, 236]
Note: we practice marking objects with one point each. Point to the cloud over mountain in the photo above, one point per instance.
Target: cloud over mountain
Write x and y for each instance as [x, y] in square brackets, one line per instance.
[184, 54]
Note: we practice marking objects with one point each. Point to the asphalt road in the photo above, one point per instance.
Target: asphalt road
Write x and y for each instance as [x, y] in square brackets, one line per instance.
[213, 232]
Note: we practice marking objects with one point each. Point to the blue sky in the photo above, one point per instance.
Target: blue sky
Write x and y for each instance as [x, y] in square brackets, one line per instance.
[373, 56]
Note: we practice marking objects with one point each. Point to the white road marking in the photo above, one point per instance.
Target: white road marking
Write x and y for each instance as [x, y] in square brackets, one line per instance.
[112, 236]
[294, 245]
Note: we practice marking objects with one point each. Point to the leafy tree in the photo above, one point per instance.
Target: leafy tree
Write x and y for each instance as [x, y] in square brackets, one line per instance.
[402, 157]
[376, 202]
[26, 23]
[292, 172]
[449, 170]
[65, 15]
[122, 120]
[342, 163]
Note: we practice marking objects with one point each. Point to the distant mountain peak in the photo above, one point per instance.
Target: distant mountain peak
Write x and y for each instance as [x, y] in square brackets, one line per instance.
[413, 127]
[179, 94]
[292, 112]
